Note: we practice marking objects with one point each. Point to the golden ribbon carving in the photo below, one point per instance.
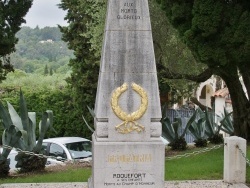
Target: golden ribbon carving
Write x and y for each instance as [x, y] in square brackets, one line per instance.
[129, 123]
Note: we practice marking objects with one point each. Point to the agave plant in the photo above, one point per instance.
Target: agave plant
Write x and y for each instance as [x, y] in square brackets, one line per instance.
[26, 124]
[171, 131]
[11, 137]
[227, 123]
[197, 129]
[212, 128]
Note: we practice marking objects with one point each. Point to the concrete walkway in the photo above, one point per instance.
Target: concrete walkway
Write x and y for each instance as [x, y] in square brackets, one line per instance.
[168, 184]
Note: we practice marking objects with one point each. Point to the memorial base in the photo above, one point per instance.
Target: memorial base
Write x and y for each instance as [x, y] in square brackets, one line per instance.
[127, 164]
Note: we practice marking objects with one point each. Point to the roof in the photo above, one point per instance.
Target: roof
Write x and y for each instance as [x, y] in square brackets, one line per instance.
[65, 140]
[221, 93]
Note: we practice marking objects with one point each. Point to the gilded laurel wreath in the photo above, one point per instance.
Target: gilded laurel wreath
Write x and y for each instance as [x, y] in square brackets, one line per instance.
[129, 123]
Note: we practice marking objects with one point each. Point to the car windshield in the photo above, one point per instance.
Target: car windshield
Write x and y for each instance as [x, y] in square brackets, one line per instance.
[79, 150]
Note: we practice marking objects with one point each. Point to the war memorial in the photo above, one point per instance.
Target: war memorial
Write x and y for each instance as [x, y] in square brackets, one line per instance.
[127, 149]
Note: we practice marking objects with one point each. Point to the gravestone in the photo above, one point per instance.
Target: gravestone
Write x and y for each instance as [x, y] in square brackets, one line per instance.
[127, 148]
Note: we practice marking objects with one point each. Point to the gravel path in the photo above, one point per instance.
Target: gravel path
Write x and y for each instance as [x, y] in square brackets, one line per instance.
[168, 184]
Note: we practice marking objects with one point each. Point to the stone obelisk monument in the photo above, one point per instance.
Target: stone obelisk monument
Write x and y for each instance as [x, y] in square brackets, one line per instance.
[127, 149]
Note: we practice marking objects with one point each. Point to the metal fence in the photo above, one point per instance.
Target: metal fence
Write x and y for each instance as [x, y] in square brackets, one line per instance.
[184, 114]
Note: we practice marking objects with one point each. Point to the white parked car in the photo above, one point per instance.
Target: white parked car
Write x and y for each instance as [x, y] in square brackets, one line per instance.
[67, 148]
[11, 156]
[60, 149]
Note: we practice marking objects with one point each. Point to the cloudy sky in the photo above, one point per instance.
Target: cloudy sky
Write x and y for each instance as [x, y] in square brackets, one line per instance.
[45, 13]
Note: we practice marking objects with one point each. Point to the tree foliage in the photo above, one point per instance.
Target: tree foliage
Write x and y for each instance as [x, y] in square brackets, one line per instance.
[218, 34]
[81, 34]
[172, 54]
[85, 33]
[11, 18]
[38, 47]
[66, 119]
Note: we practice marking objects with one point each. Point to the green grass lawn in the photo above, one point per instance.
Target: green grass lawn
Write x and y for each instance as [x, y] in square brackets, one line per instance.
[205, 166]
[71, 175]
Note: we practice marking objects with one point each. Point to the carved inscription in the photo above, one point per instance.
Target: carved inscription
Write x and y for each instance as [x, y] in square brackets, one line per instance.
[129, 179]
[128, 12]
[130, 158]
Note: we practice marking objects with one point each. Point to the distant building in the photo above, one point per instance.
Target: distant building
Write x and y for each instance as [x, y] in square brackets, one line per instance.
[46, 41]
[205, 91]
[222, 100]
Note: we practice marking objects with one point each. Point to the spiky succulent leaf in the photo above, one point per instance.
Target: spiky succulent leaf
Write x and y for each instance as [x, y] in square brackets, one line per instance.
[201, 128]
[25, 140]
[11, 138]
[4, 115]
[5, 151]
[167, 130]
[32, 128]
[191, 119]
[193, 130]
[212, 128]
[43, 127]
[24, 113]
[176, 125]
[89, 127]
[197, 129]
[50, 120]
[15, 117]
[50, 116]
[31, 136]
[200, 114]
[227, 123]
[209, 123]
[91, 111]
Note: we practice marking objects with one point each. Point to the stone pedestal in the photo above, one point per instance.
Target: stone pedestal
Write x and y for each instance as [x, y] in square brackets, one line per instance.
[127, 149]
[127, 164]
[234, 162]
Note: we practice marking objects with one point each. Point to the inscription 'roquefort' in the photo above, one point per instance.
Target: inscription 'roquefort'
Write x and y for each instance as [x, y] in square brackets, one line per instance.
[128, 12]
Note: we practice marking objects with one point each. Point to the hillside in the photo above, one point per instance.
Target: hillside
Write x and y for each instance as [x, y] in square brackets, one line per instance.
[38, 48]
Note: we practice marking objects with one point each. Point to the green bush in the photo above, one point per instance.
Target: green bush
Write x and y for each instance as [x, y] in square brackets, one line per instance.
[200, 142]
[216, 139]
[179, 144]
[67, 118]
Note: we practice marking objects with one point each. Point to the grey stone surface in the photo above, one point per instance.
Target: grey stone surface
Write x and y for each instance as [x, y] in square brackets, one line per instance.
[128, 164]
[234, 162]
[129, 102]
[128, 15]
[128, 51]
[168, 184]
[133, 158]
[127, 57]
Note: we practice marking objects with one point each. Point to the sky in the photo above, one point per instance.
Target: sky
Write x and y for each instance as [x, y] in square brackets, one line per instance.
[45, 13]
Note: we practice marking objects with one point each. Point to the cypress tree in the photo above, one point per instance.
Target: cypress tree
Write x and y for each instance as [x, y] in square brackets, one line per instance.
[12, 13]
[46, 70]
